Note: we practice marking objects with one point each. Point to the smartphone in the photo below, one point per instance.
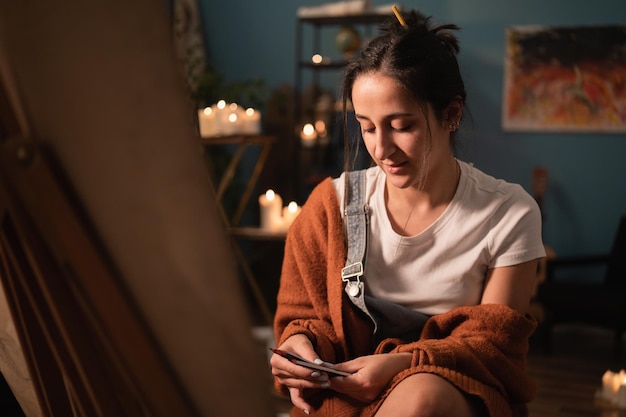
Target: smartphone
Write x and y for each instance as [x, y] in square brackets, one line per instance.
[308, 364]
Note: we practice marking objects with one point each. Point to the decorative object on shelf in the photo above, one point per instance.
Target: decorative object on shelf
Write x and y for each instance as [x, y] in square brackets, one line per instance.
[347, 41]
[614, 388]
[228, 119]
[275, 217]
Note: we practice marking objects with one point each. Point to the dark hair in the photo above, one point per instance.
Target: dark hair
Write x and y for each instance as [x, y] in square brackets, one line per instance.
[420, 56]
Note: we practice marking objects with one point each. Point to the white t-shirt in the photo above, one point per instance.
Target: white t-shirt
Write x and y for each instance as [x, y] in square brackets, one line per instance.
[489, 223]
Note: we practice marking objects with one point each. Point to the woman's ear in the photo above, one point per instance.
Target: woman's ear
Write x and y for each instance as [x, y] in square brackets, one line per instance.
[453, 112]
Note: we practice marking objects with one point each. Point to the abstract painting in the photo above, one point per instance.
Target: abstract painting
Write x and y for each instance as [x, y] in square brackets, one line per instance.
[565, 79]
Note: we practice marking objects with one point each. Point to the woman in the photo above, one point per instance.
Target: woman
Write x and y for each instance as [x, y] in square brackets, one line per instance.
[436, 323]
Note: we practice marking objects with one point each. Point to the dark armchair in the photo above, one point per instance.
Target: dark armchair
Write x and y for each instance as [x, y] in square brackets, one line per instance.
[600, 302]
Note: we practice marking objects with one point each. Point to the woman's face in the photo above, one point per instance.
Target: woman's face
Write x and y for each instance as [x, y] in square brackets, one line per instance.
[395, 129]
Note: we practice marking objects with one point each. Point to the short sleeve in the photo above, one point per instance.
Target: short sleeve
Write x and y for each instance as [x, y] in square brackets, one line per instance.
[515, 230]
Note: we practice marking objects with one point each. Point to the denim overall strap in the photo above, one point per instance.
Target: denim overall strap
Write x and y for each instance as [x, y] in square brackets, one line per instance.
[356, 222]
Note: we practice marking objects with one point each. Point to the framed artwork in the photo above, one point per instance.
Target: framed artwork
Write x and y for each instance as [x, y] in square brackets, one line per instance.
[565, 79]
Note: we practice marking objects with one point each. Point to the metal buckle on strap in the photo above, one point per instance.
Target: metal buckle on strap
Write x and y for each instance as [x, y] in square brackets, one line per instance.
[355, 270]
[352, 270]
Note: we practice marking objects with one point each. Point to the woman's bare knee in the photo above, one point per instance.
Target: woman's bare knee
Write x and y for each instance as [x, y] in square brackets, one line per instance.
[425, 395]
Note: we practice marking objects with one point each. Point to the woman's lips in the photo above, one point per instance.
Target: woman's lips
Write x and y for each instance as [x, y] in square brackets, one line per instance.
[394, 168]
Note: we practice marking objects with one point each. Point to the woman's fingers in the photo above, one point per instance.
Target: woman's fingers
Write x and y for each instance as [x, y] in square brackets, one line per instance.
[311, 380]
[297, 399]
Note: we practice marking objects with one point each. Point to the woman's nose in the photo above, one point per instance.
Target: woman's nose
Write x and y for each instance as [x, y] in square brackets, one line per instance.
[384, 145]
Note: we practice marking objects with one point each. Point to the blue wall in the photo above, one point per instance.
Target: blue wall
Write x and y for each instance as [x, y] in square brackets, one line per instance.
[587, 172]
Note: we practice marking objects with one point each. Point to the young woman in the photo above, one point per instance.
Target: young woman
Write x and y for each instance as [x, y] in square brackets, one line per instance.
[436, 323]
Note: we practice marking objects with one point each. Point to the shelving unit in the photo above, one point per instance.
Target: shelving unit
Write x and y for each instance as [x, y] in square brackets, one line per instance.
[311, 164]
[235, 232]
[243, 142]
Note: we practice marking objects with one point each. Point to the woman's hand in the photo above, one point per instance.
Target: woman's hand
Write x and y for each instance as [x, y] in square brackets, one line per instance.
[295, 377]
[370, 375]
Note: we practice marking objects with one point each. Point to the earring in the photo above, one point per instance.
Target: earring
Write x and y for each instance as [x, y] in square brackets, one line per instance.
[453, 126]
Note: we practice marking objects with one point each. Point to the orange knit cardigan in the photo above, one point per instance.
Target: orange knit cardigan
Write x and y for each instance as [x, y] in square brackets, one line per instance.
[481, 349]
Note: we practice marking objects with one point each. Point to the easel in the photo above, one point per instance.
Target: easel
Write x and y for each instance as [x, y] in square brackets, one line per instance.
[113, 325]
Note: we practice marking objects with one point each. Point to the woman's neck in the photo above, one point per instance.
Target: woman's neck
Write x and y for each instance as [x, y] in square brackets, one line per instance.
[412, 210]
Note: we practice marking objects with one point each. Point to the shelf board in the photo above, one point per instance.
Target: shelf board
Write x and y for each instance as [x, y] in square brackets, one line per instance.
[257, 233]
[361, 18]
[323, 66]
[238, 138]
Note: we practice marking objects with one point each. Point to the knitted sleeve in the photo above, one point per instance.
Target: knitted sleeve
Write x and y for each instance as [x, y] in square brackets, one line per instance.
[481, 349]
[314, 252]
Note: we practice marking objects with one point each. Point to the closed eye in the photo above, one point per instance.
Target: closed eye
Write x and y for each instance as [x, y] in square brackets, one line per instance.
[367, 127]
[403, 128]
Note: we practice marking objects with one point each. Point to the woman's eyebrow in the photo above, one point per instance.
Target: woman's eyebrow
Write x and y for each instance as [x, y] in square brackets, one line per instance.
[389, 116]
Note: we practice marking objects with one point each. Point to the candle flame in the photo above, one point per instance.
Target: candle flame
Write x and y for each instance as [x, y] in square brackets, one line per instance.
[308, 129]
[292, 207]
[320, 127]
[270, 195]
[249, 111]
[232, 117]
[221, 104]
[208, 110]
[232, 106]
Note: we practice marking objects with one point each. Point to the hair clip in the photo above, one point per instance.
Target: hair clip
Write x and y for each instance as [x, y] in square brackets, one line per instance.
[398, 15]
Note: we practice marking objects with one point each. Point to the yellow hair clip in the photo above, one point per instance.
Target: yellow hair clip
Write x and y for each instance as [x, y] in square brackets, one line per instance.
[398, 15]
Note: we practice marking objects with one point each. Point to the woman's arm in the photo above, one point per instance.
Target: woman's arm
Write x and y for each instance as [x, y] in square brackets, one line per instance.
[512, 286]
[303, 296]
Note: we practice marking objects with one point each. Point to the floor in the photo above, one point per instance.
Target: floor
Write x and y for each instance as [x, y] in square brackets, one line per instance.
[569, 378]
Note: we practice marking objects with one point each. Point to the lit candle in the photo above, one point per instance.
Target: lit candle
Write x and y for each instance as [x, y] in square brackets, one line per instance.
[320, 128]
[607, 385]
[271, 205]
[251, 124]
[308, 135]
[220, 117]
[614, 388]
[207, 122]
[322, 132]
[231, 126]
[290, 212]
[621, 394]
